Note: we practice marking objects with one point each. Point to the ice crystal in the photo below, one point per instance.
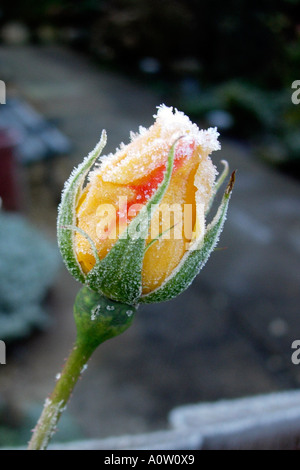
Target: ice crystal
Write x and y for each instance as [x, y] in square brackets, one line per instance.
[95, 312]
[110, 307]
[169, 125]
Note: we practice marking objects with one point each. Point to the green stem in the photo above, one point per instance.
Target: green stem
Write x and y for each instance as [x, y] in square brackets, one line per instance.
[97, 319]
[56, 403]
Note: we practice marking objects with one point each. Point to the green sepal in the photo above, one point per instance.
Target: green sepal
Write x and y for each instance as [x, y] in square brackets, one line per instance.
[99, 319]
[193, 260]
[218, 184]
[67, 211]
[119, 275]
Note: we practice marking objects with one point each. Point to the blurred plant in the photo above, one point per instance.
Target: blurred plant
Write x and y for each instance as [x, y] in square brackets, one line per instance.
[247, 52]
[28, 265]
[243, 39]
[265, 118]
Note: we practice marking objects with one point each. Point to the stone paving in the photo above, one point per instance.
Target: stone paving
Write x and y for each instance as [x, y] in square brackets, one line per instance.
[228, 336]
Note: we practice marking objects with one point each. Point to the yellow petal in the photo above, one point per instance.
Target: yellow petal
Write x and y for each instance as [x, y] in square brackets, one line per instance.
[164, 255]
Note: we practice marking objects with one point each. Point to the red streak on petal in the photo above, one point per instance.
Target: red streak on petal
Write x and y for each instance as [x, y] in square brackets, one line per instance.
[145, 190]
[149, 184]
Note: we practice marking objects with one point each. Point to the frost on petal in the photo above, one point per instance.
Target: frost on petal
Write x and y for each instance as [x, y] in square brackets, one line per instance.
[204, 181]
[149, 149]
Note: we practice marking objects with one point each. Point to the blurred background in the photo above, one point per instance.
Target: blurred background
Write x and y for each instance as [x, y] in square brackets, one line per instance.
[71, 70]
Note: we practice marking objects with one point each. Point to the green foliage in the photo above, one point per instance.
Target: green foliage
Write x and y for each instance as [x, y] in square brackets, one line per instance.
[66, 219]
[245, 39]
[266, 118]
[243, 55]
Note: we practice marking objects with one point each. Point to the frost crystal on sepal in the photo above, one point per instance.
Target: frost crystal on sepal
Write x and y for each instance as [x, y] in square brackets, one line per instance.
[119, 274]
[218, 183]
[195, 259]
[67, 210]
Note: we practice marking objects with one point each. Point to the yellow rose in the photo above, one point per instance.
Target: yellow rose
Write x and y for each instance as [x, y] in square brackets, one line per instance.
[165, 181]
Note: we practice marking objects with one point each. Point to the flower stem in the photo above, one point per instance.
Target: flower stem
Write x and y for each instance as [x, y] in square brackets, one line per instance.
[56, 403]
[97, 319]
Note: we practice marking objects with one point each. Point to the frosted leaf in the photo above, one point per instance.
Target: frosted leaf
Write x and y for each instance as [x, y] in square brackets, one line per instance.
[67, 210]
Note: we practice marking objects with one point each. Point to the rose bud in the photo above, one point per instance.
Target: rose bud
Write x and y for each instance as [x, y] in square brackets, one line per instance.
[137, 232]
